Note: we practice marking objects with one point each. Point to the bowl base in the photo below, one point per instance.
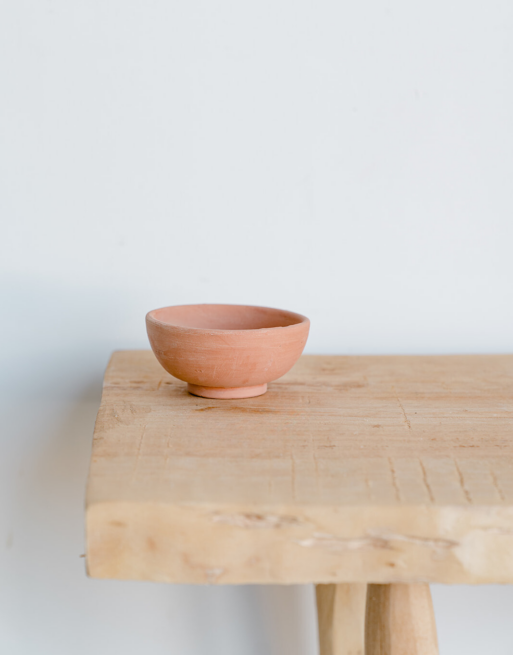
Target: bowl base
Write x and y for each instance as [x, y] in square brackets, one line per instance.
[233, 392]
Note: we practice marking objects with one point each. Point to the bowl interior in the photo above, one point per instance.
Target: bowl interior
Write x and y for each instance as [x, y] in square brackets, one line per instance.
[225, 317]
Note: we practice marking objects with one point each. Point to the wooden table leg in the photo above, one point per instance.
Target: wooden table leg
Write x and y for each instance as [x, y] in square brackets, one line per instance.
[341, 617]
[400, 620]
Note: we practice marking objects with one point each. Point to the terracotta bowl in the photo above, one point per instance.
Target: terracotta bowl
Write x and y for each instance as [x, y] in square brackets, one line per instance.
[226, 351]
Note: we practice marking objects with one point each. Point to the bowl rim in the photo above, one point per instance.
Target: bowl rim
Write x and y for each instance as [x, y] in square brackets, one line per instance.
[303, 320]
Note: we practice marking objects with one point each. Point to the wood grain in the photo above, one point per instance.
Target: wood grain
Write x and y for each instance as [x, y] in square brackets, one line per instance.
[341, 618]
[400, 620]
[349, 469]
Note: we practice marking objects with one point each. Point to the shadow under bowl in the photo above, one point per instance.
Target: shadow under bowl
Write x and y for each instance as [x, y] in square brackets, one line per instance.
[226, 351]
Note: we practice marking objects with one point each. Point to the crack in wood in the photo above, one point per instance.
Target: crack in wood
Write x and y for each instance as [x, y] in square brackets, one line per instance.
[394, 480]
[496, 484]
[425, 480]
[462, 482]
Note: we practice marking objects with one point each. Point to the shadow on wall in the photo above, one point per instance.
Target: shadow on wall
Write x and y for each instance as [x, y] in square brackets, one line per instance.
[57, 338]
[289, 615]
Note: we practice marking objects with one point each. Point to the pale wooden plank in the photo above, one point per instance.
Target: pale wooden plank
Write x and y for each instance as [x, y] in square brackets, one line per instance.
[350, 469]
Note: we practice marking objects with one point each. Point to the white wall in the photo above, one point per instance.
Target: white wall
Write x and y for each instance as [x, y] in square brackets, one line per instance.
[350, 161]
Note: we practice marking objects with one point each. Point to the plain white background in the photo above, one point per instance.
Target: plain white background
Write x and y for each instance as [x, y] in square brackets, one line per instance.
[350, 161]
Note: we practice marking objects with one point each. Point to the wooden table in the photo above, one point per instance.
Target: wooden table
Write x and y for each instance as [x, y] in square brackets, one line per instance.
[369, 476]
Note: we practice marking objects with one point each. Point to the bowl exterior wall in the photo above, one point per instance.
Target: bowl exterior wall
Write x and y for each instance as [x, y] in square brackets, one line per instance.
[227, 359]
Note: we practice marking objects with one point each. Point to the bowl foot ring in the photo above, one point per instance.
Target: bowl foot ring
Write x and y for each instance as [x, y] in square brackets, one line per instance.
[234, 392]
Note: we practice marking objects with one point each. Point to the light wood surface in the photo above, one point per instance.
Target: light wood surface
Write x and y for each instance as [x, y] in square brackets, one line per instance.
[341, 618]
[400, 620]
[349, 469]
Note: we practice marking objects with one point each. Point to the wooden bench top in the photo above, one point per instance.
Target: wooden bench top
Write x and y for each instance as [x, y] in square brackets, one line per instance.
[349, 469]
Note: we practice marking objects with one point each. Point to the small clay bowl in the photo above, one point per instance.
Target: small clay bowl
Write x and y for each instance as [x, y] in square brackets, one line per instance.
[226, 351]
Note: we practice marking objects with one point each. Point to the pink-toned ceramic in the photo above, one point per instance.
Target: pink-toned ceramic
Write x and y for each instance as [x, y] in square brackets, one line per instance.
[226, 351]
